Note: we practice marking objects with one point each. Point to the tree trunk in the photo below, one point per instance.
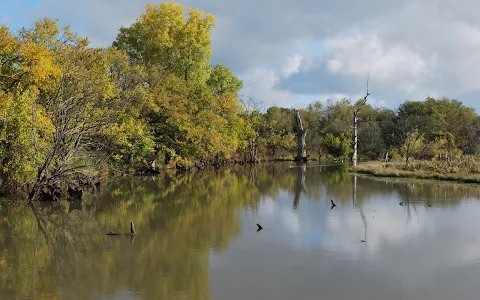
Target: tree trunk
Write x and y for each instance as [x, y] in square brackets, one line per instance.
[355, 138]
[301, 134]
[153, 165]
[252, 149]
[355, 123]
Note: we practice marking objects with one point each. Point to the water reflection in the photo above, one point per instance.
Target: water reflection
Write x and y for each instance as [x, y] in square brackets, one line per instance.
[299, 184]
[198, 239]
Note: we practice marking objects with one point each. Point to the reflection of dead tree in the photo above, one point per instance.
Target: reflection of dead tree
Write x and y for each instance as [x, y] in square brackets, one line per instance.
[43, 227]
[354, 192]
[34, 263]
[299, 185]
[408, 203]
[252, 172]
[362, 214]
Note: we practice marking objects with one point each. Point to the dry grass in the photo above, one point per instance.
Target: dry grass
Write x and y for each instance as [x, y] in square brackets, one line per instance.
[465, 169]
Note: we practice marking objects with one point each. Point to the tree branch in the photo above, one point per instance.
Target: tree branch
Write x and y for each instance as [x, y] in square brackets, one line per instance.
[364, 100]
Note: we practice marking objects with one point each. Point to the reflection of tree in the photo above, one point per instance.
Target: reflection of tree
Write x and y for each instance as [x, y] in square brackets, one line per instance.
[409, 202]
[299, 184]
[364, 220]
[339, 187]
[362, 213]
[354, 188]
[61, 249]
[178, 224]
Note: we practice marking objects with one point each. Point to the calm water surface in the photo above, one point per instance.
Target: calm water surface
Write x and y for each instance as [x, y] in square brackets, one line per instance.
[197, 239]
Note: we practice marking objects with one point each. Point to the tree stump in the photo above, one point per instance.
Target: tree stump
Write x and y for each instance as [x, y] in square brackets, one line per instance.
[132, 229]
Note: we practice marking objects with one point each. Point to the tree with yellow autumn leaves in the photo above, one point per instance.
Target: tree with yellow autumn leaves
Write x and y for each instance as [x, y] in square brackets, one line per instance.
[67, 108]
[70, 114]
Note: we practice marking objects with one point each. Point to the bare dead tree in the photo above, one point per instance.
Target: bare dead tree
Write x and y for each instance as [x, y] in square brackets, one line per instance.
[355, 123]
[301, 135]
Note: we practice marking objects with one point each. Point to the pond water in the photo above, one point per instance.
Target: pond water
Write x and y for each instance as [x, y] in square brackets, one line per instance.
[197, 239]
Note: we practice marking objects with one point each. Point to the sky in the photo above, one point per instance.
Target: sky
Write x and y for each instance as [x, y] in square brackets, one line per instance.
[290, 53]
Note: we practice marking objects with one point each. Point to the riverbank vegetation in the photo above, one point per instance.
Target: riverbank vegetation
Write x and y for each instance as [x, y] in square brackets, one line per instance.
[72, 114]
[464, 170]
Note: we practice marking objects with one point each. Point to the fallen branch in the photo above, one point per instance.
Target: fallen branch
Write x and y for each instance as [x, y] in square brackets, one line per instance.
[132, 231]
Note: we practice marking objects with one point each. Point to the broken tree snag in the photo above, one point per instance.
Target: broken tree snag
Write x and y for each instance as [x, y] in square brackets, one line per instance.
[301, 134]
[132, 229]
[355, 124]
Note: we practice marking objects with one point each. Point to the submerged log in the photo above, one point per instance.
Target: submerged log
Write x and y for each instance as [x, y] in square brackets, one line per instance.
[132, 231]
[113, 233]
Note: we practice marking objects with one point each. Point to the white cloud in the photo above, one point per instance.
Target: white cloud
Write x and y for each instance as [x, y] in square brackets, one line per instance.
[359, 53]
[292, 65]
[260, 83]
[410, 48]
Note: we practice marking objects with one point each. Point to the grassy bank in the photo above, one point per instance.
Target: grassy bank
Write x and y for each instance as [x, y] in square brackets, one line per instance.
[464, 170]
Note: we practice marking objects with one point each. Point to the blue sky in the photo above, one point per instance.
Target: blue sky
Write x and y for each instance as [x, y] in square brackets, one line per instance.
[290, 53]
[18, 13]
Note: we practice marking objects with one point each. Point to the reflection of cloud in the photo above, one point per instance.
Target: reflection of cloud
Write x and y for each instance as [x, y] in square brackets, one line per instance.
[292, 221]
[389, 228]
[385, 226]
[268, 206]
[272, 210]
[458, 234]
[433, 253]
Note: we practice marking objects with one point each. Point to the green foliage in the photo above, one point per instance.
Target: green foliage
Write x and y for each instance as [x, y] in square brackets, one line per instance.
[338, 146]
[164, 37]
[222, 81]
[278, 133]
[437, 115]
[370, 138]
[17, 147]
[192, 108]
[154, 99]
[413, 145]
[443, 143]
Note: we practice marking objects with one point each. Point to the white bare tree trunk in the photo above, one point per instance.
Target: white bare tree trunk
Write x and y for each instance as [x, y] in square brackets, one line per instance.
[355, 138]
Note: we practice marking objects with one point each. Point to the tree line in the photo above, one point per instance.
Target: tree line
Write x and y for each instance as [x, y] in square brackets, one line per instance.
[416, 129]
[71, 114]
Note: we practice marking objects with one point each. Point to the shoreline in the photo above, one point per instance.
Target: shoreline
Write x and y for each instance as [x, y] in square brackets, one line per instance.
[377, 169]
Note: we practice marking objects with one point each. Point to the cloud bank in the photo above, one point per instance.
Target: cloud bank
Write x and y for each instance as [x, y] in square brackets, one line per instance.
[294, 52]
